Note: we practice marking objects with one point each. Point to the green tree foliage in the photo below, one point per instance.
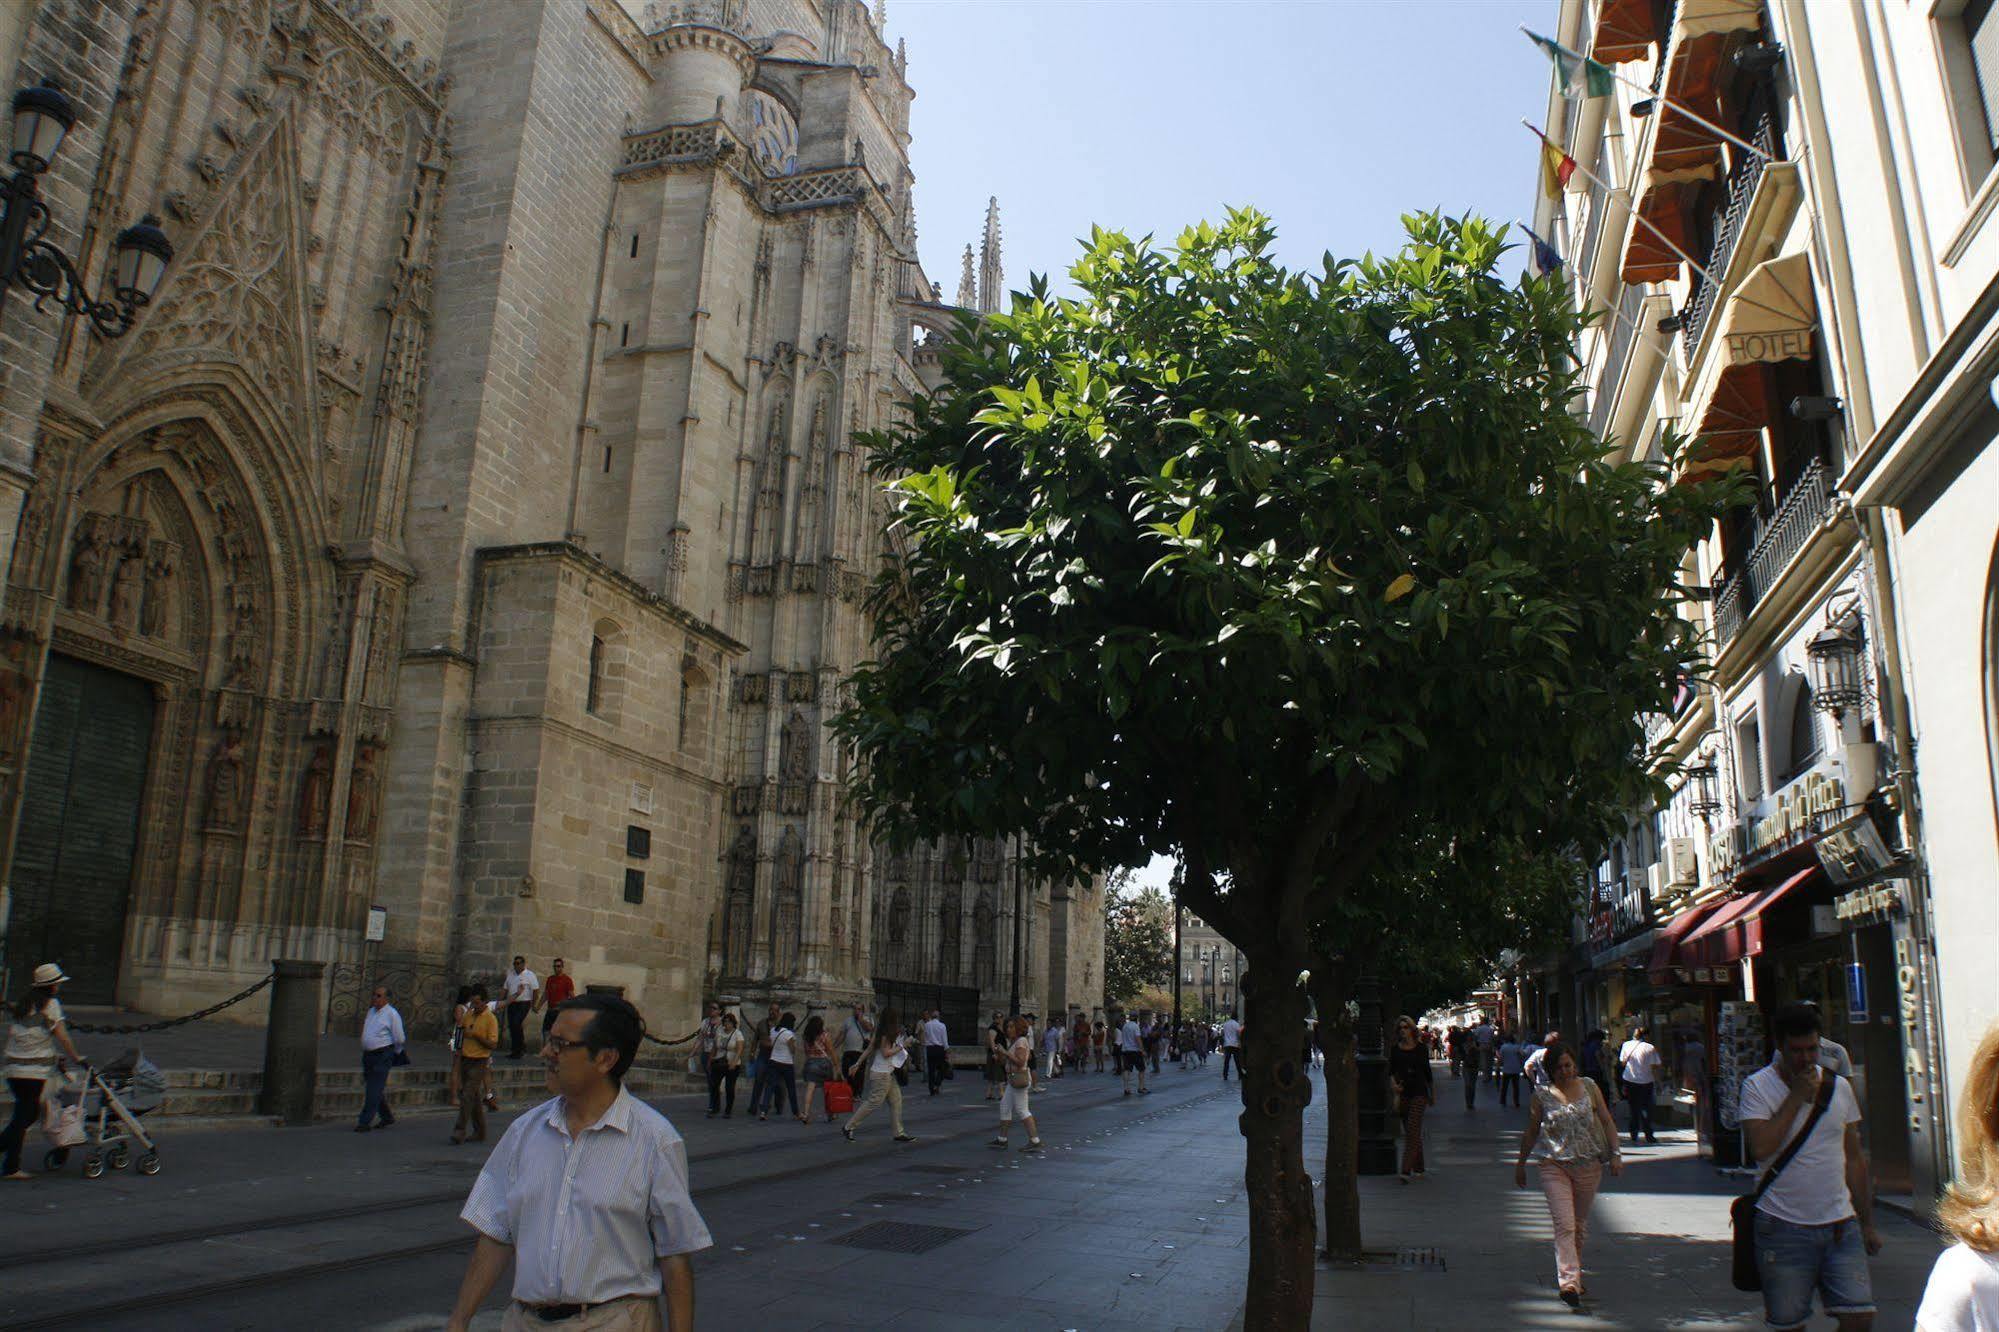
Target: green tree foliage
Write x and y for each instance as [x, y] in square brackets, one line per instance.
[1138, 943]
[1275, 570]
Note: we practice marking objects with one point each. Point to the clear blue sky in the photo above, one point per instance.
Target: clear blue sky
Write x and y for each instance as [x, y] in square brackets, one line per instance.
[1335, 117]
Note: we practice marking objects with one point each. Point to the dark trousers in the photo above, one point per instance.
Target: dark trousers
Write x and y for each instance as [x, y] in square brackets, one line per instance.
[720, 1075]
[934, 1059]
[1231, 1055]
[27, 1109]
[517, 1024]
[1639, 1094]
[776, 1078]
[375, 1066]
[1471, 1087]
[1509, 1083]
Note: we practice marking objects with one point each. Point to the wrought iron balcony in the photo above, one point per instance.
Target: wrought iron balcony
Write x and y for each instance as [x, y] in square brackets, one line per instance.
[1665, 44]
[1742, 178]
[1778, 539]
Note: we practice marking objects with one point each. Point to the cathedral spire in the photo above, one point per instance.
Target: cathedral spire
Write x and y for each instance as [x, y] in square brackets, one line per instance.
[992, 276]
[968, 285]
[881, 15]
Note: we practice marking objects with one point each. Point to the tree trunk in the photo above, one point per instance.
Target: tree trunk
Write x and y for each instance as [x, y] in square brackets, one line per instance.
[1340, 1182]
[1276, 1090]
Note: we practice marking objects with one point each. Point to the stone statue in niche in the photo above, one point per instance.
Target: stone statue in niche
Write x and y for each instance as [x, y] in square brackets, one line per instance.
[362, 785]
[739, 908]
[225, 784]
[127, 589]
[86, 574]
[29, 537]
[316, 794]
[789, 895]
[156, 613]
[794, 761]
[15, 691]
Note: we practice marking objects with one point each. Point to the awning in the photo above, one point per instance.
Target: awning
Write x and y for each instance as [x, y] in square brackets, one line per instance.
[1697, 18]
[1625, 30]
[1666, 942]
[1771, 314]
[1647, 255]
[1769, 317]
[1736, 931]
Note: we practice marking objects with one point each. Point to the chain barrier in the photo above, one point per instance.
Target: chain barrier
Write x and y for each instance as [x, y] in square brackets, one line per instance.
[661, 1040]
[165, 1024]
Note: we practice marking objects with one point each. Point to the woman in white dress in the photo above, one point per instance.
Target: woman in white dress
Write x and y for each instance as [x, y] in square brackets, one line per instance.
[1963, 1293]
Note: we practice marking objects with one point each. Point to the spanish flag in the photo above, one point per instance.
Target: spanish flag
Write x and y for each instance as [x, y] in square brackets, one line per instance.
[1556, 166]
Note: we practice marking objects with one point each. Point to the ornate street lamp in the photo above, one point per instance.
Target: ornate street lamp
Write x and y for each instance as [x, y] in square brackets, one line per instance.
[1703, 799]
[1837, 683]
[42, 116]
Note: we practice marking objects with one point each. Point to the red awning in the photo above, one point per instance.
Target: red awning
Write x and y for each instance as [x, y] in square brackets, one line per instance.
[1660, 965]
[1736, 931]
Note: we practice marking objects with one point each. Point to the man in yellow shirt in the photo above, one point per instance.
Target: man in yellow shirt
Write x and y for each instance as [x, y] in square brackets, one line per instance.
[480, 1033]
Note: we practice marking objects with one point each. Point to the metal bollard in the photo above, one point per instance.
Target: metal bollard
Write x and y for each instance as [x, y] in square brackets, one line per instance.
[291, 1042]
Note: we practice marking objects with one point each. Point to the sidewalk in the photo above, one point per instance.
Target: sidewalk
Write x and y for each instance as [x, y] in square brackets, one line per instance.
[1657, 1254]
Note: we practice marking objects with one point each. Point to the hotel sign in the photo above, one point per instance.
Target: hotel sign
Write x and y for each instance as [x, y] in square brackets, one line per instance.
[1782, 344]
[1797, 807]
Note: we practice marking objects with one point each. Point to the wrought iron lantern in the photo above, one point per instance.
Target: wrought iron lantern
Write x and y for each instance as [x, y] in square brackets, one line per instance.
[42, 117]
[1836, 654]
[1702, 797]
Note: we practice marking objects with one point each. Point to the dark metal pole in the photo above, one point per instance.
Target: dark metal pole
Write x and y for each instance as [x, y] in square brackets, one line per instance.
[1014, 1007]
[20, 197]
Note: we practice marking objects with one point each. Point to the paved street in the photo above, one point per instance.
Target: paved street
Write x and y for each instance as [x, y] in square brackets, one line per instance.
[1133, 1218]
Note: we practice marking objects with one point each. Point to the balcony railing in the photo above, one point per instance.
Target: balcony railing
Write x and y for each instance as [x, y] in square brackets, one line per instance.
[1617, 353]
[1778, 539]
[1665, 44]
[1742, 178]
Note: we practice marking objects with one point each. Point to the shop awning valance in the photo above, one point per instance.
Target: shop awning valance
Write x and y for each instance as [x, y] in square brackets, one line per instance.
[1771, 314]
[1666, 943]
[1736, 931]
[1625, 31]
[1698, 18]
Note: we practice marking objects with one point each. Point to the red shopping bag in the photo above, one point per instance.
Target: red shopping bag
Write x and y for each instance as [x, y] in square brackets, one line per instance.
[839, 1097]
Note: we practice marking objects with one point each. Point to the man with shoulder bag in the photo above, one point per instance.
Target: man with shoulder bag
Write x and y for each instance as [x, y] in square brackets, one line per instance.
[1809, 1223]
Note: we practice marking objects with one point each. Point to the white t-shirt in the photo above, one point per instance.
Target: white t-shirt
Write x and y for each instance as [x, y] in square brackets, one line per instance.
[521, 986]
[1231, 1034]
[31, 1045]
[889, 1058]
[780, 1046]
[1963, 1294]
[1127, 1036]
[1833, 1057]
[1535, 1065]
[1639, 1061]
[1812, 1189]
[1021, 1053]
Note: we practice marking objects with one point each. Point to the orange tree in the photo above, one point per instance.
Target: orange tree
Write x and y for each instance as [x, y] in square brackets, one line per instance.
[1269, 569]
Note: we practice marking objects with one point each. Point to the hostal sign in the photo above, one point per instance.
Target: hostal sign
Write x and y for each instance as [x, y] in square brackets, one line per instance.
[1797, 806]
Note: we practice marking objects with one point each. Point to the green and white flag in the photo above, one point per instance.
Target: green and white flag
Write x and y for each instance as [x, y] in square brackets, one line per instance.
[1579, 75]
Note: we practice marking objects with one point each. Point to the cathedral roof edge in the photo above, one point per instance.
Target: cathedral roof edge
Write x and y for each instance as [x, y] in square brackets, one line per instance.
[570, 553]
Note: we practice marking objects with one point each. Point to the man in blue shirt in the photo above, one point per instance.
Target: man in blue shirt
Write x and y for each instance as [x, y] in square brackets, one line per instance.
[381, 1041]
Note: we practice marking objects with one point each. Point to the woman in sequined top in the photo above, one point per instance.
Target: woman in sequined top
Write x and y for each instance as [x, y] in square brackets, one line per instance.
[1571, 1135]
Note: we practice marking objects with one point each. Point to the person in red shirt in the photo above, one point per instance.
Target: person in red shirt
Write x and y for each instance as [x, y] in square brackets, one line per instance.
[561, 985]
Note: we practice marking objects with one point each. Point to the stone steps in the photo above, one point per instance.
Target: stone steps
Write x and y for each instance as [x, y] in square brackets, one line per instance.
[219, 1094]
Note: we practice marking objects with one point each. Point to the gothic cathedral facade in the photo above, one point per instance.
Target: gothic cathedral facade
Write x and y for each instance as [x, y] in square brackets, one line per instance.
[464, 551]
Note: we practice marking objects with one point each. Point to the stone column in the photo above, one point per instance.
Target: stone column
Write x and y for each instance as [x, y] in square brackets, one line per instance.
[291, 1042]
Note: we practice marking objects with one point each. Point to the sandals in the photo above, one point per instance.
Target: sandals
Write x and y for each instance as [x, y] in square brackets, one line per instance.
[847, 1130]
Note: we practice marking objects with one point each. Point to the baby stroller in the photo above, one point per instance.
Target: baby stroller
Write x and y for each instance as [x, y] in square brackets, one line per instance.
[102, 1116]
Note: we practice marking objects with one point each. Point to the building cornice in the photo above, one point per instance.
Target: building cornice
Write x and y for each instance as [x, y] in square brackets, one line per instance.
[573, 555]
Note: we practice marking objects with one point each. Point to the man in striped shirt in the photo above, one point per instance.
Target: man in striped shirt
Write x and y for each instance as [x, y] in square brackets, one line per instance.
[587, 1194]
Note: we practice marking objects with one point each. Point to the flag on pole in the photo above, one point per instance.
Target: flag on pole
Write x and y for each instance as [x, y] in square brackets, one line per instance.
[1556, 165]
[1578, 74]
[1546, 258]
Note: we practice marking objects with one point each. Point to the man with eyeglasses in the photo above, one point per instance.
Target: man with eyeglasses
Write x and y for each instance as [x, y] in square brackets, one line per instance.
[586, 1194]
[381, 1041]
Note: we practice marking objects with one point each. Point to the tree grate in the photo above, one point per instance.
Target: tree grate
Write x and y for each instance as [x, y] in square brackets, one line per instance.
[1403, 1260]
[901, 1237]
[886, 1199]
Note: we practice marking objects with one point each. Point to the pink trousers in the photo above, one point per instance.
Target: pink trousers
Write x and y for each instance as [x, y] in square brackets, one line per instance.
[1570, 1187]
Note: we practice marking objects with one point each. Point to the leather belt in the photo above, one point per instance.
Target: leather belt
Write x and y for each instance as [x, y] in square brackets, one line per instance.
[554, 1313]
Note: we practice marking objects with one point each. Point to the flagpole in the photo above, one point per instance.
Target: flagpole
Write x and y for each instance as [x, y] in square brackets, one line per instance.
[1690, 114]
[1663, 346]
[1646, 223]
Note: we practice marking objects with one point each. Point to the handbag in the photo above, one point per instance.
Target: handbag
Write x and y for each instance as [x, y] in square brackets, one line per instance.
[1019, 1078]
[1742, 1212]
